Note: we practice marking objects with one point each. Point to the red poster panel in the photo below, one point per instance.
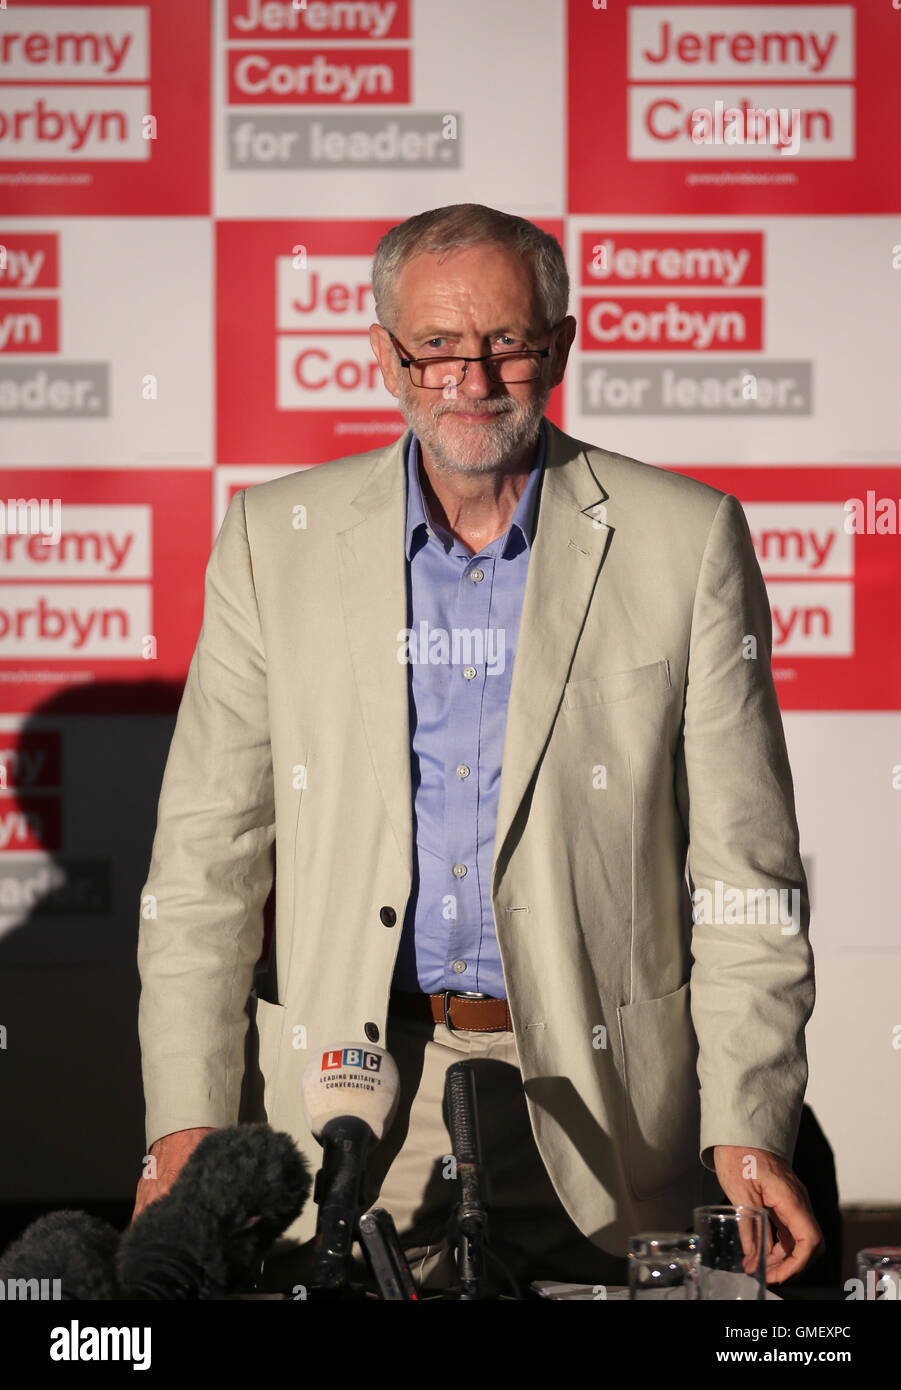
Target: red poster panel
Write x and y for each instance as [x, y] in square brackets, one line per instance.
[829, 546]
[297, 378]
[105, 108]
[728, 107]
[101, 586]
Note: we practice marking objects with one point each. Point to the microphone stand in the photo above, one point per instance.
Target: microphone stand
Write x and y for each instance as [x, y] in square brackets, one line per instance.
[470, 1256]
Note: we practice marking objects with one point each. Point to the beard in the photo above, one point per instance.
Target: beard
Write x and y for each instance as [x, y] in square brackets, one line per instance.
[460, 448]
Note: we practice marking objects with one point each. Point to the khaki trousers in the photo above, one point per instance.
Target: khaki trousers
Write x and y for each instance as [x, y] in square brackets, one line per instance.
[410, 1175]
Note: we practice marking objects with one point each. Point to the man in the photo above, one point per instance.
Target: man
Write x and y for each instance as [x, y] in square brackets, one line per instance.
[482, 688]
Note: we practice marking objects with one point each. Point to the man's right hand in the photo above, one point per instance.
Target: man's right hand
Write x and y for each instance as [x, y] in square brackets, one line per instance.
[171, 1152]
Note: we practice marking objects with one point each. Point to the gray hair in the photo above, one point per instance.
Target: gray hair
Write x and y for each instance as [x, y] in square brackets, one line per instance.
[442, 231]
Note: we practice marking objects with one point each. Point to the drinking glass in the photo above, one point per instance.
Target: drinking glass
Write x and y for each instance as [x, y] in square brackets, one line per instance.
[879, 1269]
[663, 1264]
[733, 1248]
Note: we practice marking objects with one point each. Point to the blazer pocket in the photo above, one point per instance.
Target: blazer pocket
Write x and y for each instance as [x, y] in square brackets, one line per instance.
[618, 685]
[663, 1108]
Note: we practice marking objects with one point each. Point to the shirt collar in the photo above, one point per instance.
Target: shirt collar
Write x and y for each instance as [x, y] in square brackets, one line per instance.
[522, 525]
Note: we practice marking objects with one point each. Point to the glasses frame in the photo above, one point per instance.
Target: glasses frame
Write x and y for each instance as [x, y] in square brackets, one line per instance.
[407, 361]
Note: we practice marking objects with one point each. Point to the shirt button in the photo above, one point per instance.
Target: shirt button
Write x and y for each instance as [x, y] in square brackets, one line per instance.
[469, 672]
[462, 770]
[460, 870]
[476, 575]
[459, 966]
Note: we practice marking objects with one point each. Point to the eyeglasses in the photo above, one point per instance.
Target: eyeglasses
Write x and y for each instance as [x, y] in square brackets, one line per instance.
[438, 373]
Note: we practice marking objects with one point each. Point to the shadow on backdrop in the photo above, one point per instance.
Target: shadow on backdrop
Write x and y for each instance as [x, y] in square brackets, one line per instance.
[83, 791]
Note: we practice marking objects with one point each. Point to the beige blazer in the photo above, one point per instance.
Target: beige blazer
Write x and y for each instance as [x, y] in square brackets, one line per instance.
[642, 717]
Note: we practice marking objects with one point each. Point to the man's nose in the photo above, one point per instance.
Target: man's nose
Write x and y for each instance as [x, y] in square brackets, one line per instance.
[477, 382]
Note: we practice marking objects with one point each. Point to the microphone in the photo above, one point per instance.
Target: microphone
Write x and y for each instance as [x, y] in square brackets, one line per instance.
[350, 1095]
[71, 1247]
[240, 1188]
[466, 1145]
[471, 1216]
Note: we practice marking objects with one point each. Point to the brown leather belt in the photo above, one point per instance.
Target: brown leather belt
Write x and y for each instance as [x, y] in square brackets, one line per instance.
[473, 1014]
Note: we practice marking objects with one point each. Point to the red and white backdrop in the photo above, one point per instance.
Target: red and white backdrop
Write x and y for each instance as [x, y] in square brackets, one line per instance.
[190, 197]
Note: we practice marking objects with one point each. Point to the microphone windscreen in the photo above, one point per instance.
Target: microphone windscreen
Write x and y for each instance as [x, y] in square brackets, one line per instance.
[71, 1246]
[462, 1113]
[351, 1079]
[238, 1191]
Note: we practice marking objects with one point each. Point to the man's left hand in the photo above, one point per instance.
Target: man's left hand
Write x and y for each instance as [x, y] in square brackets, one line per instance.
[778, 1188]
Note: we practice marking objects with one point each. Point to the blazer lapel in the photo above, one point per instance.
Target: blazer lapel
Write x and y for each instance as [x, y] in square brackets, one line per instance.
[372, 570]
[568, 550]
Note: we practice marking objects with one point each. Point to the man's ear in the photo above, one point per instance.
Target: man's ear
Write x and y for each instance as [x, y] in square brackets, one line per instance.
[563, 341]
[385, 356]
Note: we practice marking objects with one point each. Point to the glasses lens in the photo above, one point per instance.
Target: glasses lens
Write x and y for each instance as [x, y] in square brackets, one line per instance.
[516, 367]
[447, 372]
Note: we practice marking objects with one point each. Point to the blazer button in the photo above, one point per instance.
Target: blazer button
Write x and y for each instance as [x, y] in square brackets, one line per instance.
[388, 916]
[371, 1031]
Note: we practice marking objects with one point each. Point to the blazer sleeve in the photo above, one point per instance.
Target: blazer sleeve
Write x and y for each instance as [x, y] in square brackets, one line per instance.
[201, 925]
[752, 980]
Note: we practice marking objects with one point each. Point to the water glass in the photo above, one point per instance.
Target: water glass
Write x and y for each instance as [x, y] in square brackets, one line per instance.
[733, 1250]
[879, 1270]
[663, 1264]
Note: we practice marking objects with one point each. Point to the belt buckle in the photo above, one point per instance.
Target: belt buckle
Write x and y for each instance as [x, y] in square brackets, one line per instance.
[447, 1017]
[458, 994]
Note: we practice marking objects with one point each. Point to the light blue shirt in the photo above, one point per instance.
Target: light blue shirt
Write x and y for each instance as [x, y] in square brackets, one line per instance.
[463, 615]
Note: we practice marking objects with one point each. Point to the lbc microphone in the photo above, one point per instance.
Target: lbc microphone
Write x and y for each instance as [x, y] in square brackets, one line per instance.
[350, 1095]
